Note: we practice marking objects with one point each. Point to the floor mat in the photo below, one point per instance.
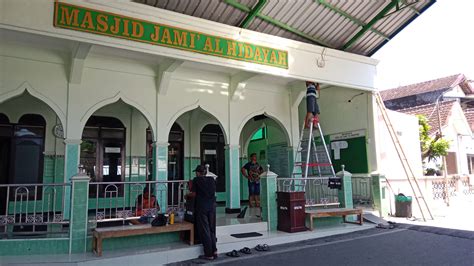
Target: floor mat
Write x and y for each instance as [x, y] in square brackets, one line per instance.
[244, 235]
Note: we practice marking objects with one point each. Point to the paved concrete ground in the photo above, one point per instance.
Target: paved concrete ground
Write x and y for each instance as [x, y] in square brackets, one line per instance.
[403, 245]
[458, 215]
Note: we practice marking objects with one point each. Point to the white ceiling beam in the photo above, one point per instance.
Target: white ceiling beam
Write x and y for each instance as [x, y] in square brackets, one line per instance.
[237, 83]
[164, 74]
[78, 58]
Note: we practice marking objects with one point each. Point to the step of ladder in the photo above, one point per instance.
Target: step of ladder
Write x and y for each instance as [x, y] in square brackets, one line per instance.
[312, 161]
[312, 164]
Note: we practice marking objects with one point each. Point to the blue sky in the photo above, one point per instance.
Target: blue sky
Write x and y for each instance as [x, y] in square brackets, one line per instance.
[439, 43]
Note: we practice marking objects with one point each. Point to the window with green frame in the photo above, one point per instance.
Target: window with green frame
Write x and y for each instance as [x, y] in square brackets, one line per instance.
[260, 134]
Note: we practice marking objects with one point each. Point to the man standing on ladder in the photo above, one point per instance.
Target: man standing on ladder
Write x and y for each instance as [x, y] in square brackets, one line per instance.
[308, 149]
[312, 108]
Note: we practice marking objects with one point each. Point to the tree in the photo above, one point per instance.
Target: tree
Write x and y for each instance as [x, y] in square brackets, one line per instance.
[431, 148]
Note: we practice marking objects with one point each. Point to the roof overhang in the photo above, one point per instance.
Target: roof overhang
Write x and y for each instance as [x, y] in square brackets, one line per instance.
[360, 27]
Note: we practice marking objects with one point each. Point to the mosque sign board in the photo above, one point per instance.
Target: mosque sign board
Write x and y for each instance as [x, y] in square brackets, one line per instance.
[84, 19]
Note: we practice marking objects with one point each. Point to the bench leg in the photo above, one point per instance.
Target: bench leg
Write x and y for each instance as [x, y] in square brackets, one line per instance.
[191, 236]
[99, 246]
[94, 244]
[359, 221]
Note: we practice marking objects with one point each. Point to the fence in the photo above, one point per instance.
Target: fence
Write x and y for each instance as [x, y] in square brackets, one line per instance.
[317, 192]
[32, 209]
[362, 189]
[436, 188]
[455, 185]
[124, 201]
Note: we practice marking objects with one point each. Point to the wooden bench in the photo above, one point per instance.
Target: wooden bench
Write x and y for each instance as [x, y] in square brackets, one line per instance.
[335, 212]
[100, 234]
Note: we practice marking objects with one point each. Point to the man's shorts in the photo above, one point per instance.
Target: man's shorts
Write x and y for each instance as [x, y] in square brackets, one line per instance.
[254, 188]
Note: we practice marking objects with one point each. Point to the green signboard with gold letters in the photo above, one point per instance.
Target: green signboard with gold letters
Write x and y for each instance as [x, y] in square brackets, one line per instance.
[105, 23]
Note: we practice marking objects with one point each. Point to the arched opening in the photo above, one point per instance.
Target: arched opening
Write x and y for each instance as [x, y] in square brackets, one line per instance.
[27, 150]
[176, 153]
[30, 149]
[5, 140]
[200, 138]
[212, 152]
[116, 147]
[103, 149]
[175, 160]
[265, 137]
[149, 153]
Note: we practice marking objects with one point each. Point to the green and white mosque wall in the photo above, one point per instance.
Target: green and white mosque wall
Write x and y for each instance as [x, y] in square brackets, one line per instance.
[346, 120]
[151, 86]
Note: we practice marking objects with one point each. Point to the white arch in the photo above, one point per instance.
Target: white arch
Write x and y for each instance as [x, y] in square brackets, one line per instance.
[25, 86]
[115, 99]
[191, 107]
[205, 124]
[180, 112]
[301, 95]
[247, 142]
[270, 116]
[180, 124]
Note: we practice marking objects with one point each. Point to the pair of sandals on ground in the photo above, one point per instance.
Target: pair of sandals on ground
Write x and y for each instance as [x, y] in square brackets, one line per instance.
[246, 250]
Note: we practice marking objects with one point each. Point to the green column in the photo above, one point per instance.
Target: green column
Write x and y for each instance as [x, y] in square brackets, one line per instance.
[345, 194]
[291, 160]
[190, 164]
[160, 173]
[268, 202]
[295, 156]
[154, 169]
[232, 182]
[71, 164]
[379, 190]
[78, 216]
[244, 192]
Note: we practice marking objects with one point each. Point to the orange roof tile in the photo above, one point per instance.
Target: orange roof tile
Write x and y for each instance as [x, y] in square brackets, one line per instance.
[431, 113]
[427, 86]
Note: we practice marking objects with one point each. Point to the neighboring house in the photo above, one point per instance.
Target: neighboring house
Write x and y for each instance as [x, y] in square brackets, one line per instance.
[427, 92]
[445, 102]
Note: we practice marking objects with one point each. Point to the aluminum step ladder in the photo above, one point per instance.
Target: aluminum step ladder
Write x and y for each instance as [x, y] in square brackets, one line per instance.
[313, 160]
[417, 193]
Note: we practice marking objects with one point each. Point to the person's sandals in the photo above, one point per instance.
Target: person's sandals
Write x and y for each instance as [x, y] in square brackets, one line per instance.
[204, 257]
[246, 250]
[385, 226]
[263, 247]
[233, 253]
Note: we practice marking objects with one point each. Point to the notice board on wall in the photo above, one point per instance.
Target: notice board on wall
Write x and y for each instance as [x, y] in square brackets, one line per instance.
[277, 155]
[349, 149]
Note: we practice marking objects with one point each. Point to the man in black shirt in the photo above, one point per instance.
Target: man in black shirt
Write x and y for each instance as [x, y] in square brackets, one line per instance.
[252, 171]
[204, 190]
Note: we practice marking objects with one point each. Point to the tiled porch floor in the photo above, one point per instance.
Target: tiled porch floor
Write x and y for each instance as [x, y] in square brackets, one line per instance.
[173, 252]
[252, 216]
